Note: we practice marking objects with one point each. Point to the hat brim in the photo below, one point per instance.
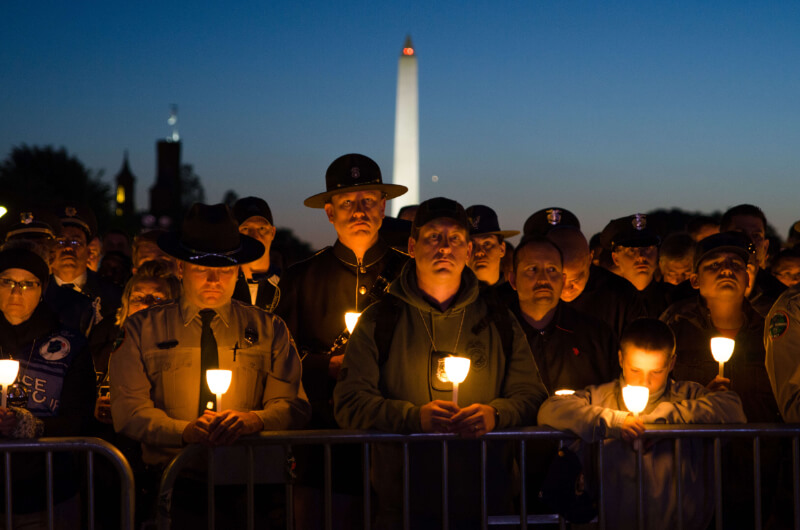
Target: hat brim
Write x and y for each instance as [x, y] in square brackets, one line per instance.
[739, 251]
[250, 249]
[391, 191]
[502, 233]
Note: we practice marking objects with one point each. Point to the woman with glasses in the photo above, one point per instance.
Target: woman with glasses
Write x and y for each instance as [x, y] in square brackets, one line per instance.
[56, 369]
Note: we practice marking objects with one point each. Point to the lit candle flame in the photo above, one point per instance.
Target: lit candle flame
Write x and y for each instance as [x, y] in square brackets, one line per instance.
[721, 350]
[8, 374]
[350, 320]
[564, 392]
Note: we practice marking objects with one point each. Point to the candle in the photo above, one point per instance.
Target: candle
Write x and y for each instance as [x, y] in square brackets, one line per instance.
[635, 398]
[8, 374]
[564, 392]
[456, 369]
[722, 349]
[350, 320]
[218, 382]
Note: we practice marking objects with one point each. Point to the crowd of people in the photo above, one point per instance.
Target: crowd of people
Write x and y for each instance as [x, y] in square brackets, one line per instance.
[114, 336]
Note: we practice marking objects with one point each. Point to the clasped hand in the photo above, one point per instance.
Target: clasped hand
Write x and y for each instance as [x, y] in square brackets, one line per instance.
[223, 428]
[445, 416]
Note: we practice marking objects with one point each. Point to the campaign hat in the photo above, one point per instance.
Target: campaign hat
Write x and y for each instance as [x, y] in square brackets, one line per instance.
[353, 172]
[546, 219]
[629, 231]
[483, 222]
[248, 207]
[734, 242]
[210, 237]
[438, 208]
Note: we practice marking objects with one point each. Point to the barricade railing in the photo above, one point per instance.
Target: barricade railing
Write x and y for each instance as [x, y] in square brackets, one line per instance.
[367, 439]
[91, 447]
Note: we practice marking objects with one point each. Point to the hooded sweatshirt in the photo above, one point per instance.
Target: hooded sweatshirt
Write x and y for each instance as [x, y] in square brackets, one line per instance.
[386, 392]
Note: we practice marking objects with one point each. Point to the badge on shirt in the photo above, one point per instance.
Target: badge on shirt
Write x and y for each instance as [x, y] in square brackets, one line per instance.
[778, 325]
[55, 349]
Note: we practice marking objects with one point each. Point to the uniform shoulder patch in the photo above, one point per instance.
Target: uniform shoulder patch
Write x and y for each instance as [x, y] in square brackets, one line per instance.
[778, 324]
[55, 349]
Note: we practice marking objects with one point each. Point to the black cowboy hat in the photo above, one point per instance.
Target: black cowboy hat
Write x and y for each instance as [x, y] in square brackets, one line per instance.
[210, 237]
[353, 172]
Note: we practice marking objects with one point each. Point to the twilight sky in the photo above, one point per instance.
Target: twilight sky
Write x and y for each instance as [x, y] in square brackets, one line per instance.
[605, 108]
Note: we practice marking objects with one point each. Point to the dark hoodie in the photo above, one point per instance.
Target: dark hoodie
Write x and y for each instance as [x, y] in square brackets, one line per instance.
[388, 396]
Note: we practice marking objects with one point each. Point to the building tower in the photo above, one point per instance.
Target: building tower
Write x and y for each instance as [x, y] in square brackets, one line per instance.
[165, 194]
[125, 190]
[406, 129]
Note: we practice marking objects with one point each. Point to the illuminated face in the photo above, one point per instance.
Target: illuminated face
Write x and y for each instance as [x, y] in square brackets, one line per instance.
[538, 279]
[258, 228]
[146, 293]
[71, 254]
[636, 264]
[356, 216]
[648, 368]
[576, 275]
[441, 251]
[721, 275]
[487, 253]
[208, 287]
[755, 229]
[18, 304]
[787, 270]
[675, 271]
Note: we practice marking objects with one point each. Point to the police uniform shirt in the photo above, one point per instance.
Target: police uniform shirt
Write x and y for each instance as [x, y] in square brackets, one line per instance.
[782, 343]
[654, 299]
[155, 374]
[574, 351]
[315, 295]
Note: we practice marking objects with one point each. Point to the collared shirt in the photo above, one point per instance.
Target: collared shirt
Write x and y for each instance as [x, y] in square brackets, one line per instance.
[77, 283]
[155, 374]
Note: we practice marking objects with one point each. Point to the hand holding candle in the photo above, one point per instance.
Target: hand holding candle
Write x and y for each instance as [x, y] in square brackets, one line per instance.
[722, 349]
[8, 374]
[635, 398]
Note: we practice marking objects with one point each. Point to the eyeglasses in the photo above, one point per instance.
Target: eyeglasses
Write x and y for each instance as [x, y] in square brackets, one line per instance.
[24, 285]
[148, 299]
[74, 243]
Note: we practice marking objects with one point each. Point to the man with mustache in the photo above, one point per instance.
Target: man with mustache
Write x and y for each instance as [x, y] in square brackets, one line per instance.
[315, 295]
[572, 349]
[634, 249]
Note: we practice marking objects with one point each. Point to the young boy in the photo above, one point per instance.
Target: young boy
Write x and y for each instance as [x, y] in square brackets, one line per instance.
[647, 355]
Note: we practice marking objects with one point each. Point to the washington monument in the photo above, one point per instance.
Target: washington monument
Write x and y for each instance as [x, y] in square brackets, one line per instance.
[406, 129]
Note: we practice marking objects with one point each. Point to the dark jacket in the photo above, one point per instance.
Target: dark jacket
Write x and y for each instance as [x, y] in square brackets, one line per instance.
[56, 367]
[268, 294]
[690, 320]
[609, 298]
[315, 295]
[574, 351]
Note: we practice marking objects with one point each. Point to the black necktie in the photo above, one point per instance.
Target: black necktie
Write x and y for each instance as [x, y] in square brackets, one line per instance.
[209, 360]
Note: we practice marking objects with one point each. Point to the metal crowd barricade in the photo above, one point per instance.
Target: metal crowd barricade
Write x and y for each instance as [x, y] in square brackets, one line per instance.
[88, 445]
[326, 439]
